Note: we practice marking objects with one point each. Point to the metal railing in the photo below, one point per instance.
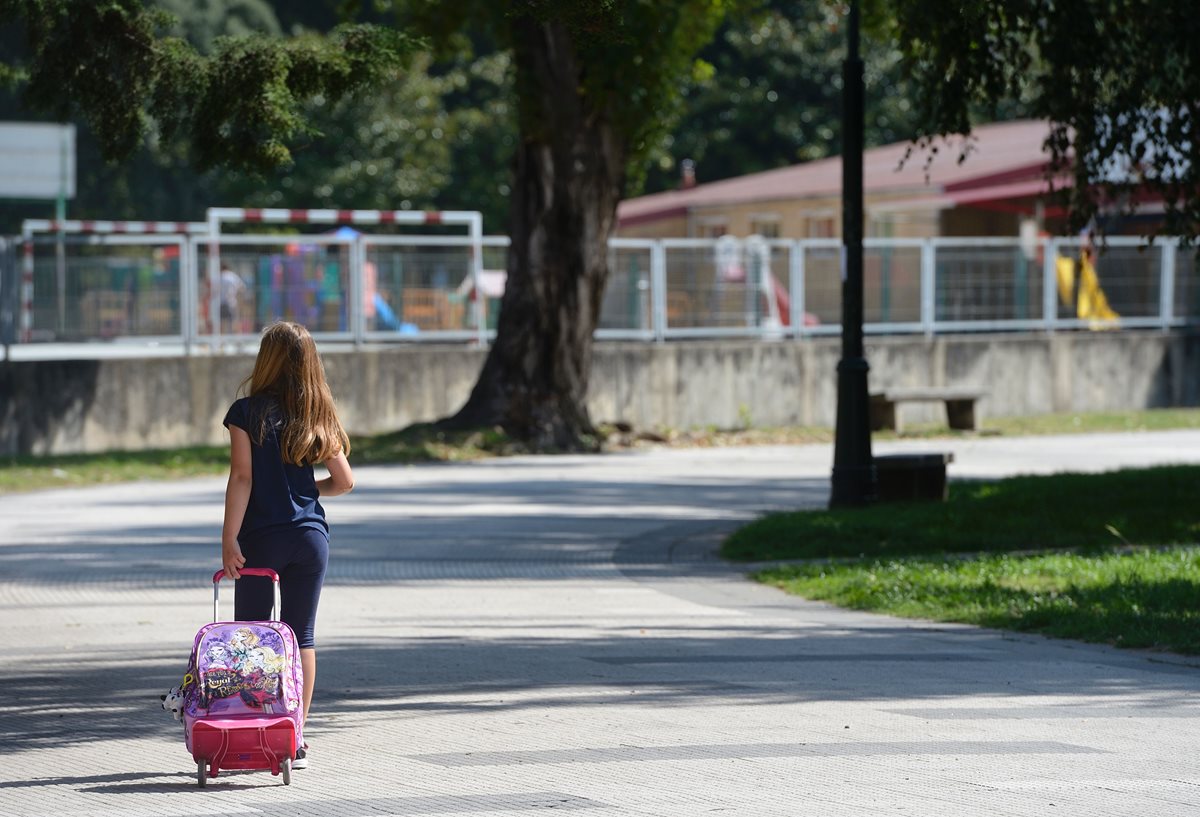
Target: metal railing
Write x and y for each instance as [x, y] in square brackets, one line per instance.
[105, 287]
[10, 301]
[413, 288]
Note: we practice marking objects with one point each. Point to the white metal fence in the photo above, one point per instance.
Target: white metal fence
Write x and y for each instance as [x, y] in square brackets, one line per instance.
[412, 288]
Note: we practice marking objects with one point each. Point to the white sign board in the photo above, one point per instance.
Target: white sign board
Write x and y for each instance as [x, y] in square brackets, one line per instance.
[37, 161]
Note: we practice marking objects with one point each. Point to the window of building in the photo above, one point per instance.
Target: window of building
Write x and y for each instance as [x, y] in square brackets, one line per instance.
[765, 225]
[711, 227]
[821, 226]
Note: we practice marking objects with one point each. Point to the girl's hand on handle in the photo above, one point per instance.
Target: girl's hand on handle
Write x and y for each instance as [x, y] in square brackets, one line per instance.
[232, 559]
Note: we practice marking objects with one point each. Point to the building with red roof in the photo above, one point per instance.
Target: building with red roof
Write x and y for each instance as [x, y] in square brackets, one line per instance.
[908, 192]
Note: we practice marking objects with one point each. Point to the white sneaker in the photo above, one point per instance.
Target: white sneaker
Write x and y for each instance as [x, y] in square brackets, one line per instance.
[301, 759]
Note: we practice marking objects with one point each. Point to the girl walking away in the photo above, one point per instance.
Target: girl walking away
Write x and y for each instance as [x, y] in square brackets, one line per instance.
[273, 516]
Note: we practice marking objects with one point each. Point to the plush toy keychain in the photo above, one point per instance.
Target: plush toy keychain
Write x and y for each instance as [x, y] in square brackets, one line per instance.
[174, 699]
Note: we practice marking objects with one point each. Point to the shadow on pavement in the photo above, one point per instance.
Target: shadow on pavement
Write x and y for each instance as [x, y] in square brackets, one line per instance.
[576, 523]
[631, 664]
[618, 658]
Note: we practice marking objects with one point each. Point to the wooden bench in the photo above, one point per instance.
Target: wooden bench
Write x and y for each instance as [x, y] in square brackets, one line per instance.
[959, 400]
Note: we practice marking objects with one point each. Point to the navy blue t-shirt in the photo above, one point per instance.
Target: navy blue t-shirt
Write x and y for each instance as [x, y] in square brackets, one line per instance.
[281, 495]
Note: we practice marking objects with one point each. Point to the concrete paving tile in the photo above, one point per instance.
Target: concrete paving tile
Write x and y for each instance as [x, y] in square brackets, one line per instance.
[542, 634]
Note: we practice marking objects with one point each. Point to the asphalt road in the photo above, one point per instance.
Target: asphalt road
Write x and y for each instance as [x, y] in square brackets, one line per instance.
[536, 634]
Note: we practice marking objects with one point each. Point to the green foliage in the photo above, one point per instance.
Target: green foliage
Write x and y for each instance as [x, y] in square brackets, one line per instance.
[771, 96]
[250, 104]
[636, 57]
[103, 52]
[239, 106]
[434, 136]
[159, 180]
[202, 22]
[1130, 598]
[1147, 506]
[451, 24]
[1119, 79]
[213, 80]
[632, 55]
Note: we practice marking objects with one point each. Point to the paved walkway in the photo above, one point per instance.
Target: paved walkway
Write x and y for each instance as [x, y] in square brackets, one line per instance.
[533, 634]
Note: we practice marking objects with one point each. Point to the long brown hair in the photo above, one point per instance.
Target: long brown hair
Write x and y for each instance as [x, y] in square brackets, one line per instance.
[288, 370]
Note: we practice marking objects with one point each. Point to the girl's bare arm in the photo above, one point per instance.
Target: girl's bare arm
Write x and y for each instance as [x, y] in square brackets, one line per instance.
[340, 479]
[237, 497]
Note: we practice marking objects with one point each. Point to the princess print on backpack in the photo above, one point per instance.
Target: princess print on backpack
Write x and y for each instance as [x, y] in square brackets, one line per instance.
[240, 698]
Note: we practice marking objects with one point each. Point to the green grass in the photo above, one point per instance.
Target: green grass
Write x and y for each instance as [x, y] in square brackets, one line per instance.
[1152, 506]
[1068, 423]
[70, 470]
[1133, 598]
[1148, 420]
[1100, 557]
[422, 443]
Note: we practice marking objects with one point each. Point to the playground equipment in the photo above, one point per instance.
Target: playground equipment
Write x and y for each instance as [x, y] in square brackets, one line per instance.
[472, 220]
[746, 265]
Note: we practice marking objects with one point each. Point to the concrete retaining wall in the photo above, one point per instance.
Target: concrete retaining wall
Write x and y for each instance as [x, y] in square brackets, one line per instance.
[97, 405]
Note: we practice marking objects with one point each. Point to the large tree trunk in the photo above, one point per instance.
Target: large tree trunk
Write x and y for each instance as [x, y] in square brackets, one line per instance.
[569, 174]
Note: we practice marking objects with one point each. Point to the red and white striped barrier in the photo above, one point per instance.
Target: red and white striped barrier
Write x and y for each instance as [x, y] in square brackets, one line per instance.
[250, 215]
[30, 226]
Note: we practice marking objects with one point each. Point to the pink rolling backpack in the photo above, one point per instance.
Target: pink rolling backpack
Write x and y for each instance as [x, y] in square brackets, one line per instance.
[242, 695]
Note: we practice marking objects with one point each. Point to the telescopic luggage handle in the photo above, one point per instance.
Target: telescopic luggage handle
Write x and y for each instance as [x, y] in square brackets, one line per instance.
[265, 572]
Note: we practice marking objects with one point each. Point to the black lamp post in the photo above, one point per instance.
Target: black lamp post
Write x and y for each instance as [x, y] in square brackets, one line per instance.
[853, 467]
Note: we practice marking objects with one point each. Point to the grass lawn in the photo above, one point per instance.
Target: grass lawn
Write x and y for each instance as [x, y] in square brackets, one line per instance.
[1134, 598]
[1119, 561]
[421, 443]
[415, 444]
[1070, 423]
[1148, 420]
[71, 470]
[1148, 506]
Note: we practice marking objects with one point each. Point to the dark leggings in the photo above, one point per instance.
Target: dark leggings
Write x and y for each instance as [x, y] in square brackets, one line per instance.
[299, 556]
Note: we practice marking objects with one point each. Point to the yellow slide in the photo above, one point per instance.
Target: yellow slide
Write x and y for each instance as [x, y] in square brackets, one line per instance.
[1090, 303]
